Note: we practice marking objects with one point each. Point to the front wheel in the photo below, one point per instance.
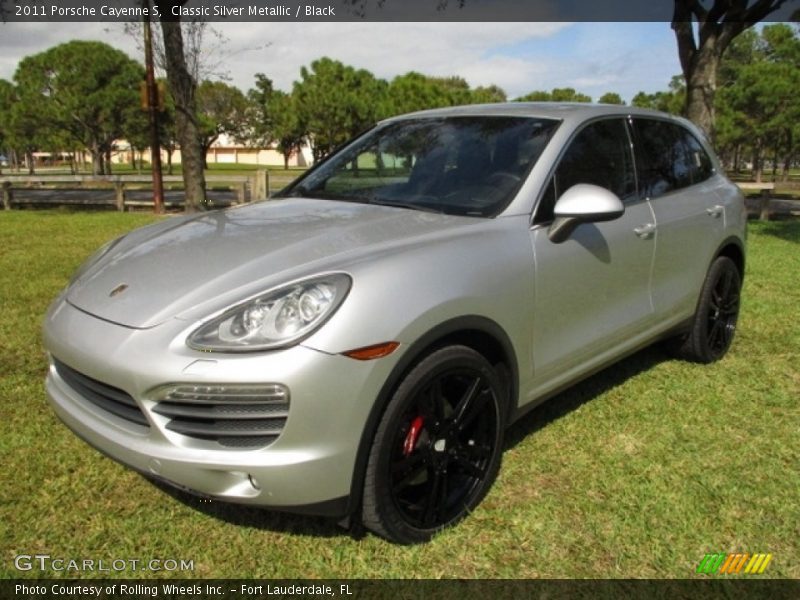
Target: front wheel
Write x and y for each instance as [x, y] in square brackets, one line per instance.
[714, 323]
[438, 446]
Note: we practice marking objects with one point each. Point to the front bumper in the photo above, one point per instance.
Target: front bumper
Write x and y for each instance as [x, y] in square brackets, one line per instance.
[309, 468]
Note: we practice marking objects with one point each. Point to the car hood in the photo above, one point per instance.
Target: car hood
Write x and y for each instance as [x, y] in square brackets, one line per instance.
[177, 265]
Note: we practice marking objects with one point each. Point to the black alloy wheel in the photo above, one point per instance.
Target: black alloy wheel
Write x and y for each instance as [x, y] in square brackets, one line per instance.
[438, 447]
[714, 323]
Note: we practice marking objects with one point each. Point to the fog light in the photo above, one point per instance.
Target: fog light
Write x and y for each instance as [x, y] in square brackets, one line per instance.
[236, 416]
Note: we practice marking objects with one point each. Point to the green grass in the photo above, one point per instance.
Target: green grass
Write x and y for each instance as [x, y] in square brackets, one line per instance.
[636, 472]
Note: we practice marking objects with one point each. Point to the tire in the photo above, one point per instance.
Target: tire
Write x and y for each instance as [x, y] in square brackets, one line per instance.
[714, 322]
[437, 449]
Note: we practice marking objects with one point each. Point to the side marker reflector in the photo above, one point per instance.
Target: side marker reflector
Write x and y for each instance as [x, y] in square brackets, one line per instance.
[372, 352]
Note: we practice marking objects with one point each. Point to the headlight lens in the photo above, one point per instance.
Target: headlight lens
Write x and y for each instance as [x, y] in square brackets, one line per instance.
[278, 318]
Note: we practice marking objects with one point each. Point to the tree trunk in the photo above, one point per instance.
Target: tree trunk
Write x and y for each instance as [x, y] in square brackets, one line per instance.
[787, 163]
[718, 23]
[787, 157]
[97, 162]
[108, 162]
[286, 161]
[758, 167]
[29, 160]
[701, 87]
[182, 86]
[775, 154]
[98, 159]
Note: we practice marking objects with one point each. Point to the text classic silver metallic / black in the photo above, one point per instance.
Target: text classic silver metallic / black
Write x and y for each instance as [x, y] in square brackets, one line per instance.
[357, 346]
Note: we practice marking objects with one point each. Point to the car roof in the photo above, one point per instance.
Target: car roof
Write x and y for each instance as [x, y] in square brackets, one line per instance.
[563, 111]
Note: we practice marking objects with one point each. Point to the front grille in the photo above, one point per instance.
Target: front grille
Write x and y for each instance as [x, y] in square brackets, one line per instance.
[108, 398]
[237, 416]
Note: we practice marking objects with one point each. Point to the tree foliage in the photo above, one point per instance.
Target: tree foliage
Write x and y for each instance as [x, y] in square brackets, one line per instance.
[79, 93]
[611, 98]
[669, 101]
[274, 118]
[557, 95]
[414, 91]
[337, 102]
[758, 104]
[221, 109]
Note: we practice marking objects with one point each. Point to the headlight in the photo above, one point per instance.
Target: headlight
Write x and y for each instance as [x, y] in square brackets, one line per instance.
[275, 319]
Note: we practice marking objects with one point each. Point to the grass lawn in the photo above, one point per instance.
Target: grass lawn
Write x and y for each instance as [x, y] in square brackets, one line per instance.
[636, 472]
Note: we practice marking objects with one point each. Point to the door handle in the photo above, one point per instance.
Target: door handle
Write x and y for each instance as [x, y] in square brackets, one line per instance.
[715, 211]
[645, 231]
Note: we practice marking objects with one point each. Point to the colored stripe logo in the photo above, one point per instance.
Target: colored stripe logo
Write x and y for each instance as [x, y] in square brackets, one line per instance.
[734, 563]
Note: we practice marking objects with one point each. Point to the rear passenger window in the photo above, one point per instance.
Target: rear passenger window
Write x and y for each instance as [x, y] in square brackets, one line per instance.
[668, 158]
[601, 155]
[702, 167]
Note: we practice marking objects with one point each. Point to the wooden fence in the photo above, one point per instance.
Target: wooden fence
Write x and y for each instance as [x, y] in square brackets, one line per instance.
[247, 188]
[766, 190]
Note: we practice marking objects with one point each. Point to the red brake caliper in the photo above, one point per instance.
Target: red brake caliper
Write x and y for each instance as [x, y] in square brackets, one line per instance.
[412, 436]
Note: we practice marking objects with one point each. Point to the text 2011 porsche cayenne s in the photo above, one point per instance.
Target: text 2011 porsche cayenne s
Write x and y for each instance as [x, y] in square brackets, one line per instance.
[358, 346]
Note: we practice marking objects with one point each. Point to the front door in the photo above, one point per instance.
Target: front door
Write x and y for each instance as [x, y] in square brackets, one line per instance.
[592, 292]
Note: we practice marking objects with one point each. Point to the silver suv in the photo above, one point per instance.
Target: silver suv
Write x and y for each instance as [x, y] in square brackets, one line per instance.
[357, 347]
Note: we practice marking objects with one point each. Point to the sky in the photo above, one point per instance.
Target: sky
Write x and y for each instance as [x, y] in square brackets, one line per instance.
[593, 58]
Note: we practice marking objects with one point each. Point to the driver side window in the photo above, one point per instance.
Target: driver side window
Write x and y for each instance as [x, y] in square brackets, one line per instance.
[601, 155]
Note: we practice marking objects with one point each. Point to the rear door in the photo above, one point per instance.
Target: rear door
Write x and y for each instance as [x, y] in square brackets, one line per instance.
[676, 176]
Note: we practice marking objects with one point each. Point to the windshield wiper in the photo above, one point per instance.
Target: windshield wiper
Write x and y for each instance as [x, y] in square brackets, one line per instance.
[409, 205]
[303, 192]
[297, 192]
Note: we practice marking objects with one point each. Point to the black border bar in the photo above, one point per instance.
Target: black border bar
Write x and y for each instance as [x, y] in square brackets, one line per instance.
[356, 10]
[361, 589]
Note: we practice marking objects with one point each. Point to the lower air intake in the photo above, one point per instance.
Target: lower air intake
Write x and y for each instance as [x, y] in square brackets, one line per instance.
[235, 416]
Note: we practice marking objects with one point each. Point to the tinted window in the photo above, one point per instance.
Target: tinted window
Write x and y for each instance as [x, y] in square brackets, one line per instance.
[668, 157]
[702, 167]
[458, 165]
[655, 148]
[600, 154]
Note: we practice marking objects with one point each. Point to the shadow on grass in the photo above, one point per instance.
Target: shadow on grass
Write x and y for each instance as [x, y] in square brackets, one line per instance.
[259, 518]
[550, 411]
[579, 394]
[788, 229]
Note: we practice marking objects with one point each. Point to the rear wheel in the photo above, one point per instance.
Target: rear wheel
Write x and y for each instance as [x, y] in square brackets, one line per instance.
[714, 323]
[437, 449]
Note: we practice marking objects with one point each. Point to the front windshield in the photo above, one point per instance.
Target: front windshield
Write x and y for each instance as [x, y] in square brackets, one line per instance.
[457, 165]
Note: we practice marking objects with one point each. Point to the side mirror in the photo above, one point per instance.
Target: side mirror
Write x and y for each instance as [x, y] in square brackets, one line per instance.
[583, 203]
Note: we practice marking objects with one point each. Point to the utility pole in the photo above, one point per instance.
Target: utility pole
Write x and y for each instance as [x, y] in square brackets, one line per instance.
[152, 112]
